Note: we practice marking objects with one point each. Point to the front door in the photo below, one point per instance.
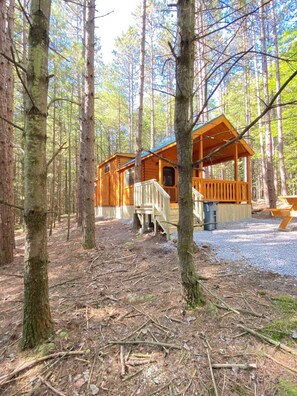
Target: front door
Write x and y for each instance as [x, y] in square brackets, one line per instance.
[169, 182]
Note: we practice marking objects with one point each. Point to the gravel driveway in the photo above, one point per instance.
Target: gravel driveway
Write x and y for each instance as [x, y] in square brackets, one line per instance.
[257, 242]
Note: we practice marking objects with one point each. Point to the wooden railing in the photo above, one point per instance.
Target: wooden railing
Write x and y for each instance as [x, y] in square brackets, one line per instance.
[198, 205]
[150, 195]
[222, 190]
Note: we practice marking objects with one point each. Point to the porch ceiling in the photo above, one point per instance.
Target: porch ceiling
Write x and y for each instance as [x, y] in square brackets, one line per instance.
[214, 136]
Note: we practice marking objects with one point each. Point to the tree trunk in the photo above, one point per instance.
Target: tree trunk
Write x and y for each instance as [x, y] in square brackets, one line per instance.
[89, 161]
[82, 88]
[183, 123]
[268, 136]
[6, 135]
[140, 98]
[152, 66]
[262, 149]
[37, 323]
[282, 168]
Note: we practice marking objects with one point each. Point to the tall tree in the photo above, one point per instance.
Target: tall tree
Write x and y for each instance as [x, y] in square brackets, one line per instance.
[6, 133]
[89, 135]
[268, 137]
[37, 323]
[140, 97]
[183, 125]
[282, 167]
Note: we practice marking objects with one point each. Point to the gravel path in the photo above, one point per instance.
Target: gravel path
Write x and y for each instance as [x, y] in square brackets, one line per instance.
[257, 242]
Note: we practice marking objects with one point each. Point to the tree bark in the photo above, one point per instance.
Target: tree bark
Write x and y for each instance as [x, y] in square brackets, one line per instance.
[37, 323]
[89, 160]
[183, 122]
[6, 135]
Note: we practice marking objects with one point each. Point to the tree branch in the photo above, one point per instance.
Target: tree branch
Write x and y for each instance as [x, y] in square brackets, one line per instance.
[61, 99]
[11, 123]
[20, 77]
[15, 63]
[217, 86]
[10, 205]
[268, 107]
[232, 22]
[174, 164]
[56, 153]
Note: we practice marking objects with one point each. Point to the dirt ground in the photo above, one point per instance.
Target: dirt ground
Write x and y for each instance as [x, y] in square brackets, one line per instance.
[121, 327]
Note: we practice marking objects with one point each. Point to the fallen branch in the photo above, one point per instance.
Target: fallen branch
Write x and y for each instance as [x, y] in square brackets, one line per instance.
[50, 387]
[159, 390]
[16, 275]
[190, 382]
[211, 373]
[66, 281]
[29, 365]
[219, 299]
[269, 340]
[140, 362]
[281, 364]
[141, 342]
[243, 366]
[132, 375]
[253, 313]
[122, 360]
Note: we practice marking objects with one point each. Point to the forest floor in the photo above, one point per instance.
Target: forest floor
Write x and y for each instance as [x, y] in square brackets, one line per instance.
[121, 327]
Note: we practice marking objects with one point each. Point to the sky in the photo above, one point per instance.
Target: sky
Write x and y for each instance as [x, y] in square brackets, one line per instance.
[113, 25]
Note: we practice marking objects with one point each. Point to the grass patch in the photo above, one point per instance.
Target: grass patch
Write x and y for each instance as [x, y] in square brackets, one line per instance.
[286, 304]
[281, 329]
[141, 299]
[286, 388]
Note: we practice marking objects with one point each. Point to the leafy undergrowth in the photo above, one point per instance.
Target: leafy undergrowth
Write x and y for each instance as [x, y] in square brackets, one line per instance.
[121, 327]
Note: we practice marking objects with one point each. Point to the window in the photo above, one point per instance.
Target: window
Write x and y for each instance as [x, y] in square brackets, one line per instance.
[129, 177]
[168, 176]
[107, 167]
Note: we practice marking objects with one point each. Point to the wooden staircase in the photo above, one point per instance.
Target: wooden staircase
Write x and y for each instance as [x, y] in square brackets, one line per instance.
[152, 204]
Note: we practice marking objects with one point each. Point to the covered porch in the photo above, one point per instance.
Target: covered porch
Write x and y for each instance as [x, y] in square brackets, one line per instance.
[219, 174]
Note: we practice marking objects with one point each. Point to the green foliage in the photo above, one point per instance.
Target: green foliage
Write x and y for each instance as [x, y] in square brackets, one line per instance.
[45, 349]
[286, 388]
[141, 299]
[64, 335]
[286, 304]
[279, 330]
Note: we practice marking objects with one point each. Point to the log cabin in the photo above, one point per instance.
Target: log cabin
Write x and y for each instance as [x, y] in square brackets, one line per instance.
[155, 198]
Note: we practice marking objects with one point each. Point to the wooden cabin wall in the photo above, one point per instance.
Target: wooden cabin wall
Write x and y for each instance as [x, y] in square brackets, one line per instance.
[150, 169]
[126, 193]
[108, 186]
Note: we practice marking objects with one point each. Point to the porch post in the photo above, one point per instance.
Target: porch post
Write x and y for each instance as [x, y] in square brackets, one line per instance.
[236, 173]
[160, 173]
[200, 167]
[249, 179]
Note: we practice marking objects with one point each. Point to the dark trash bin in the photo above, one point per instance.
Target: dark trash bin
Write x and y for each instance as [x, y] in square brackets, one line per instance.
[210, 210]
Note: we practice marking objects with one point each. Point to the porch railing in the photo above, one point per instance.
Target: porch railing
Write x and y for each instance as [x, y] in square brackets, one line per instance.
[150, 195]
[222, 190]
[198, 205]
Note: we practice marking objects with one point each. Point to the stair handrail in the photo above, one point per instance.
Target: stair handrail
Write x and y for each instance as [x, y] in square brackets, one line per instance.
[161, 200]
[198, 199]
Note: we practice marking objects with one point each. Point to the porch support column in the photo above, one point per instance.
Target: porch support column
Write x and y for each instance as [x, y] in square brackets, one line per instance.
[249, 179]
[200, 167]
[236, 173]
[160, 173]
